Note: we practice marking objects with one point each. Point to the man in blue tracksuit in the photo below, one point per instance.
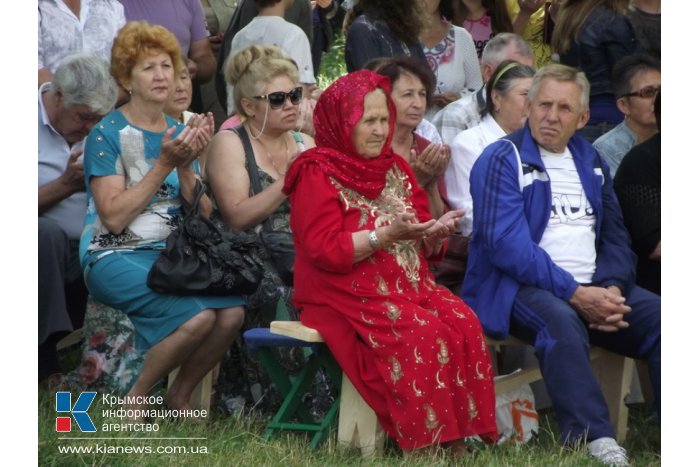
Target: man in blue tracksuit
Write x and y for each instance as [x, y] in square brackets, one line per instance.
[550, 260]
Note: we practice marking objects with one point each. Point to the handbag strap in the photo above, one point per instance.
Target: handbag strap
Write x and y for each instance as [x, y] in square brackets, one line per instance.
[253, 170]
[193, 209]
[255, 185]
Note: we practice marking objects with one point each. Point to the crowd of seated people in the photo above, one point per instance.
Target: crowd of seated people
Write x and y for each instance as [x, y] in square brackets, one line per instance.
[370, 177]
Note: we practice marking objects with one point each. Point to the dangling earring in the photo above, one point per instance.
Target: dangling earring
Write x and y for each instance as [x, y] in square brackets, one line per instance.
[129, 91]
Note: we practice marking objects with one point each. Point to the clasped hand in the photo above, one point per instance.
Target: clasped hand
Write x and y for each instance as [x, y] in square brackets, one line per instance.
[183, 149]
[603, 309]
[431, 164]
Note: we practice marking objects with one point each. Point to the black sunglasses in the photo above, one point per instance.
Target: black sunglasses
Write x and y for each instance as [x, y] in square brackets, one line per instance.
[645, 92]
[276, 99]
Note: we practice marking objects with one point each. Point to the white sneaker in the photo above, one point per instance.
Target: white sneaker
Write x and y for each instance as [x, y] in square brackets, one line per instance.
[607, 451]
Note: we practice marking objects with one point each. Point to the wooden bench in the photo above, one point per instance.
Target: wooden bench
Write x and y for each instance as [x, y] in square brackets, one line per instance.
[358, 425]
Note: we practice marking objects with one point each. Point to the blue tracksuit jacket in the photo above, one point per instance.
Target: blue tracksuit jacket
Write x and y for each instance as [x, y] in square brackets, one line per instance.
[512, 203]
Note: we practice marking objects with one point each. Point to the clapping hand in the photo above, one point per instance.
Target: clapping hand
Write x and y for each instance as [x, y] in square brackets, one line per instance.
[205, 124]
[445, 226]
[180, 151]
[431, 164]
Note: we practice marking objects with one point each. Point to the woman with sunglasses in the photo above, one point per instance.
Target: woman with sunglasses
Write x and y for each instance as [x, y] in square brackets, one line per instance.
[267, 94]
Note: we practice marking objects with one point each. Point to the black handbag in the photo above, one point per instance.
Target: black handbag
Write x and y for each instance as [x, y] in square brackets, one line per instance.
[201, 259]
[279, 244]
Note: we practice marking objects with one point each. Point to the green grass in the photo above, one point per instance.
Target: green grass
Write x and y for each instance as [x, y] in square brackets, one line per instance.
[333, 62]
[238, 441]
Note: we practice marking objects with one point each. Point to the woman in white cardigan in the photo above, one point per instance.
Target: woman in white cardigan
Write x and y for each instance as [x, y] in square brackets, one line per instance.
[505, 112]
[451, 54]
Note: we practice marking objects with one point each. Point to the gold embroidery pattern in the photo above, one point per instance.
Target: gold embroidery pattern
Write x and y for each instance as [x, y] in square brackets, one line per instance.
[431, 420]
[417, 356]
[479, 374]
[440, 383]
[473, 413]
[396, 372]
[443, 356]
[393, 313]
[421, 322]
[382, 287]
[394, 199]
[460, 381]
[373, 343]
[365, 319]
[417, 391]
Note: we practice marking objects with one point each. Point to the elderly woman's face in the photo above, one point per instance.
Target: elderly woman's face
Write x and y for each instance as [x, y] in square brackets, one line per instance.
[371, 132]
[182, 97]
[152, 78]
[410, 98]
[511, 107]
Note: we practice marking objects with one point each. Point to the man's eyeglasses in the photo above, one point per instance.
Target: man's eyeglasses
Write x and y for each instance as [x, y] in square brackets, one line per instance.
[645, 92]
[276, 99]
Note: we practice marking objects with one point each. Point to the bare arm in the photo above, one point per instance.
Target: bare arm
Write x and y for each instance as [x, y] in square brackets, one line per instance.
[118, 206]
[228, 177]
[71, 181]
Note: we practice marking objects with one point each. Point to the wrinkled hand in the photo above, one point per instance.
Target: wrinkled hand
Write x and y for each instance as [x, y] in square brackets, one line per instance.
[73, 176]
[445, 226]
[528, 7]
[441, 100]
[603, 309]
[205, 124]
[431, 164]
[405, 226]
[180, 151]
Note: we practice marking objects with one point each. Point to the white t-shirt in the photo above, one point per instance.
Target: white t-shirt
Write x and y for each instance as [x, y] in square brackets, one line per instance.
[274, 30]
[569, 238]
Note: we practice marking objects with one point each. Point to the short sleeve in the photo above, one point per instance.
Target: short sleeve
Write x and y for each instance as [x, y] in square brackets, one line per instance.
[101, 155]
[198, 28]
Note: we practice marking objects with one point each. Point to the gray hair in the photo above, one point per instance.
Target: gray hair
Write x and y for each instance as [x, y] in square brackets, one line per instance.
[493, 52]
[562, 73]
[84, 79]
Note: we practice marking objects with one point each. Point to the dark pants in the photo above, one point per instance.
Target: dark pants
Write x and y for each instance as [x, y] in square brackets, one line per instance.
[62, 293]
[562, 341]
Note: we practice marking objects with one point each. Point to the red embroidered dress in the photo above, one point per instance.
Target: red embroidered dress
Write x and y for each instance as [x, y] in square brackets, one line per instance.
[415, 352]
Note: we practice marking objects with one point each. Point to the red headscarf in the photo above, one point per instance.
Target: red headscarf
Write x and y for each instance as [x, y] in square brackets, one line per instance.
[337, 112]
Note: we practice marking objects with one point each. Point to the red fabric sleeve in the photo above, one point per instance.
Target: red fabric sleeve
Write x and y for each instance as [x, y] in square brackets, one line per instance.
[317, 222]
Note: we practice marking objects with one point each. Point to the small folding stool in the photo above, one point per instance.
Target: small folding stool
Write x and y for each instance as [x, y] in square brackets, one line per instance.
[293, 414]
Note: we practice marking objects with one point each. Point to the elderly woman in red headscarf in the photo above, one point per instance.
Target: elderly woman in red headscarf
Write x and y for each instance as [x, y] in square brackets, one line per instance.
[362, 229]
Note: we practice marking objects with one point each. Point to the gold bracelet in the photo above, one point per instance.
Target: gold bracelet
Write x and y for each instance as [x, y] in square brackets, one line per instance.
[374, 240]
